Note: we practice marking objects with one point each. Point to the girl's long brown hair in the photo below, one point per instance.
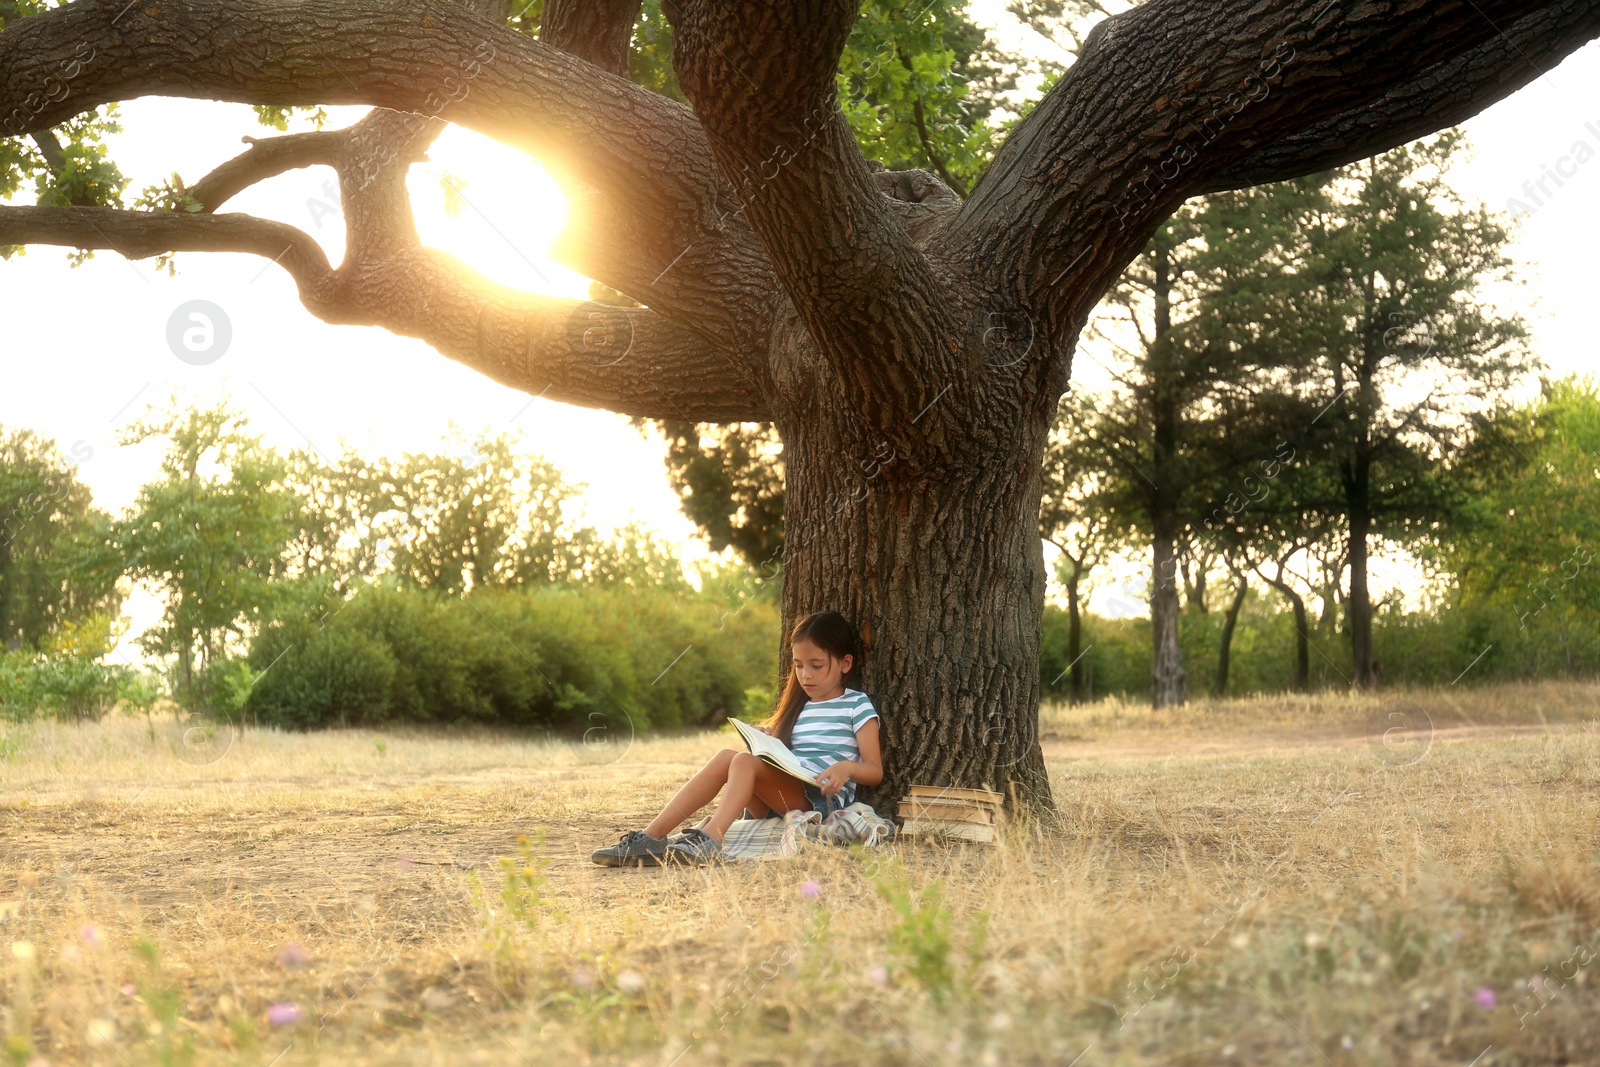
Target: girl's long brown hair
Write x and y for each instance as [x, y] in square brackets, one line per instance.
[831, 632]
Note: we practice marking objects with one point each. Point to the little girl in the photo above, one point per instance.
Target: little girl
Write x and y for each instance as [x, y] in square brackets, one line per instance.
[832, 728]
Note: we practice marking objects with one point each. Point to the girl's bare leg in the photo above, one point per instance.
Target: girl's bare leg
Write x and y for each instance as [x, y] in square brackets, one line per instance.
[750, 778]
[696, 793]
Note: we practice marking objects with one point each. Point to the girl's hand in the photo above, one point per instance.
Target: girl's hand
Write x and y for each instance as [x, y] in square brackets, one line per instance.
[833, 779]
[764, 730]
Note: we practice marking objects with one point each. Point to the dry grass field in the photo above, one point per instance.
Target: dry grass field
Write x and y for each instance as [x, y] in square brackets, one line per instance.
[1410, 879]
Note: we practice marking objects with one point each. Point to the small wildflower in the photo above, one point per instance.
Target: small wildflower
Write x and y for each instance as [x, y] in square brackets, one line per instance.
[583, 978]
[810, 889]
[91, 935]
[1315, 940]
[630, 982]
[292, 957]
[1346, 1043]
[1485, 997]
[878, 975]
[284, 1013]
[127, 989]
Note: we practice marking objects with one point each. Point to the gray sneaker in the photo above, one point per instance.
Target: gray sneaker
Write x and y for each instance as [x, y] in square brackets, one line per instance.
[696, 848]
[634, 849]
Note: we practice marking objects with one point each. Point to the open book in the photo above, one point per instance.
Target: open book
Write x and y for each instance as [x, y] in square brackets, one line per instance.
[770, 750]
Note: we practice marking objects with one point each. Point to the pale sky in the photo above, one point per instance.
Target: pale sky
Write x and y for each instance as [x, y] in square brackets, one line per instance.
[86, 348]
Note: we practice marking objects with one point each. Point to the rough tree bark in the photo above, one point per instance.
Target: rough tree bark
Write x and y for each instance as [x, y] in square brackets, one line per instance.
[909, 347]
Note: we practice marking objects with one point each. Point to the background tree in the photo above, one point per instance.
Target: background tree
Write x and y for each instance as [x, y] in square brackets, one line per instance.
[1407, 356]
[207, 535]
[333, 545]
[1236, 560]
[1284, 534]
[730, 482]
[54, 569]
[873, 317]
[1526, 545]
[1075, 518]
[1181, 430]
[485, 515]
[484, 512]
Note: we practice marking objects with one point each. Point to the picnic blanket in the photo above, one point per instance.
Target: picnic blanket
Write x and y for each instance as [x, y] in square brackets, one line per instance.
[777, 836]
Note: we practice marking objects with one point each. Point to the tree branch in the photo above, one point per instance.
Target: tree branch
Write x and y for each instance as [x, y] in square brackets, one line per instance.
[624, 359]
[598, 31]
[267, 157]
[628, 360]
[1167, 98]
[920, 118]
[642, 157]
[1441, 96]
[868, 296]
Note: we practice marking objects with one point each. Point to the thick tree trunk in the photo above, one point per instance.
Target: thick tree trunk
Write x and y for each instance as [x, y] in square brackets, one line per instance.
[1219, 685]
[942, 572]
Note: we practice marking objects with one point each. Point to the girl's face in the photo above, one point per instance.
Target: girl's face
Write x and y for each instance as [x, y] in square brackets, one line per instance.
[819, 673]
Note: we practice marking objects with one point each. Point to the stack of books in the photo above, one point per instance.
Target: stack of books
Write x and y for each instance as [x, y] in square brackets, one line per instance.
[945, 811]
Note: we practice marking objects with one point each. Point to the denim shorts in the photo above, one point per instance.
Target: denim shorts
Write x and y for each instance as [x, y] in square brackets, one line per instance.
[826, 804]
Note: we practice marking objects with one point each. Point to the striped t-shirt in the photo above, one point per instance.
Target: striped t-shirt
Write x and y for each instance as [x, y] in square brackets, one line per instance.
[825, 733]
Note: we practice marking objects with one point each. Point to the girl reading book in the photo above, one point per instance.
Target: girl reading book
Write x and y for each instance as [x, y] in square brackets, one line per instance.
[829, 724]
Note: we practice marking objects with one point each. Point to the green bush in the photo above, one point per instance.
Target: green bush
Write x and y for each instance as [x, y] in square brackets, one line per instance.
[560, 658]
[19, 691]
[1476, 642]
[338, 676]
[227, 684]
[67, 679]
[66, 687]
[72, 687]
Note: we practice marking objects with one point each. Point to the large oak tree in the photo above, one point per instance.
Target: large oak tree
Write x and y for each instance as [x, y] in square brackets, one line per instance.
[909, 346]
